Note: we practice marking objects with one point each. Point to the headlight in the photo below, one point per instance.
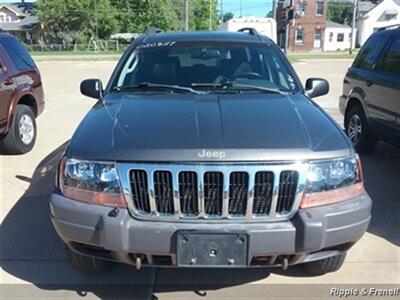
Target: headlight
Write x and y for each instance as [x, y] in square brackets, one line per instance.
[333, 181]
[91, 182]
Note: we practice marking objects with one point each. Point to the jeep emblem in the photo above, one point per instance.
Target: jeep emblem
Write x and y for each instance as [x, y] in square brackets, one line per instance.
[212, 154]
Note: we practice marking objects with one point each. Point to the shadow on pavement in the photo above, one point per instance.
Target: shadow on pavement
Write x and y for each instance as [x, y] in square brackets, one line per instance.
[382, 181]
[31, 251]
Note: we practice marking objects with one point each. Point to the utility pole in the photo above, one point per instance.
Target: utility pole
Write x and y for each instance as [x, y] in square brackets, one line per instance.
[96, 20]
[241, 8]
[210, 20]
[186, 15]
[222, 10]
[353, 26]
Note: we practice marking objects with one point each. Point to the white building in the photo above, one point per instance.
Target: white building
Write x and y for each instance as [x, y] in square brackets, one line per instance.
[372, 16]
[337, 37]
[265, 26]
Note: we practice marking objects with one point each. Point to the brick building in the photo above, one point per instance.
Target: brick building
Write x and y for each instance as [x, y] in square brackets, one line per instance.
[306, 29]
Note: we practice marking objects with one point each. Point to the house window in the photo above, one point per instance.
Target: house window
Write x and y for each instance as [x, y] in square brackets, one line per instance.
[5, 18]
[302, 8]
[299, 36]
[340, 37]
[330, 36]
[319, 9]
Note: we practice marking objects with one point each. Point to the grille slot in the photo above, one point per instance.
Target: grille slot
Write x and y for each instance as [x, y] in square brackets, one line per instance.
[287, 191]
[188, 193]
[263, 190]
[139, 187]
[163, 192]
[238, 188]
[213, 191]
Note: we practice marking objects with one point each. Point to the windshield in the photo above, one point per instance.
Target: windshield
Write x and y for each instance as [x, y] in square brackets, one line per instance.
[206, 66]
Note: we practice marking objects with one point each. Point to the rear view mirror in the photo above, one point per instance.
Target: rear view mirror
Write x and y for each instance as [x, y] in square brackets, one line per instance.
[92, 88]
[316, 87]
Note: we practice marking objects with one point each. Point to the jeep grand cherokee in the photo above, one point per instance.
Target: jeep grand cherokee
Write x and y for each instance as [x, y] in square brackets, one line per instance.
[204, 150]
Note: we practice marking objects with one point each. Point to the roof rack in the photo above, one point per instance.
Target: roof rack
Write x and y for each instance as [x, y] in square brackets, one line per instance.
[249, 30]
[389, 27]
[153, 30]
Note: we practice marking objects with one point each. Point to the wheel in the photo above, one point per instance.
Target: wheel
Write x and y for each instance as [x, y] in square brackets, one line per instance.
[357, 129]
[323, 266]
[21, 136]
[87, 264]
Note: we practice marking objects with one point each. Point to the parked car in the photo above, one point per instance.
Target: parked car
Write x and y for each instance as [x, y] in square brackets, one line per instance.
[371, 92]
[204, 150]
[21, 96]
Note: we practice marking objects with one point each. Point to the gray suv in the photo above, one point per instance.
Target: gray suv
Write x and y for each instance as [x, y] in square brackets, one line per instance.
[204, 150]
[371, 92]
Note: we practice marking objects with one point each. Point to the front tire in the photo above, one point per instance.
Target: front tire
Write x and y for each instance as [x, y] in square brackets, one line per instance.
[87, 264]
[326, 265]
[358, 131]
[21, 136]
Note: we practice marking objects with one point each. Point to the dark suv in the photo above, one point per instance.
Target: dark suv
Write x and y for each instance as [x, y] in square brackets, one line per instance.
[21, 96]
[371, 92]
[205, 150]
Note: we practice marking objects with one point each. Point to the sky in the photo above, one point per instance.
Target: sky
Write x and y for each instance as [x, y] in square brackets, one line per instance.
[258, 8]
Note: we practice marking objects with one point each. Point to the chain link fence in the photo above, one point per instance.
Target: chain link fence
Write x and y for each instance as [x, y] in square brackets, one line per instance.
[91, 46]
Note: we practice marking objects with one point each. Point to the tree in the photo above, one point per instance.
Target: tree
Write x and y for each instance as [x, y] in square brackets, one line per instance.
[76, 19]
[228, 16]
[340, 11]
[270, 14]
[202, 10]
[139, 15]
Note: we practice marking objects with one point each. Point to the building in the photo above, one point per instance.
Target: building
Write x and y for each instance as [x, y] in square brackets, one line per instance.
[306, 29]
[337, 37]
[265, 26]
[19, 20]
[374, 15]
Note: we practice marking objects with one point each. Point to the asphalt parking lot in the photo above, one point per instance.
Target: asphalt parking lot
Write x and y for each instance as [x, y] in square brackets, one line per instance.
[32, 259]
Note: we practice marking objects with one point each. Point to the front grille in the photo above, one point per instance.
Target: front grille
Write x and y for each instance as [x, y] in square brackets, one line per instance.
[201, 192]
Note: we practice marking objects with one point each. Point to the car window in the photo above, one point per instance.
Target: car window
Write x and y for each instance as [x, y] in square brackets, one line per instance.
[370, 52]
[17, 53]
[391, 62]
[191, 63]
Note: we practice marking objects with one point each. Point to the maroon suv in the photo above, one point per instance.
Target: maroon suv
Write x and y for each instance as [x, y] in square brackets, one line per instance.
[21, 96]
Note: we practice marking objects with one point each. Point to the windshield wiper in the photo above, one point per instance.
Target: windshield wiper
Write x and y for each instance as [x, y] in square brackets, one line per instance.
[149, 85]
[238, 86]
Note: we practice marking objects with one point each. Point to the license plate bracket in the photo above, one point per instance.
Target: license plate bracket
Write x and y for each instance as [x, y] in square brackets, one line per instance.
[202, 249]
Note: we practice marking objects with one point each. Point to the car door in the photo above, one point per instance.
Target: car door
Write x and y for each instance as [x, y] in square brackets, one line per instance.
[385, 89]
[6, 90]
[361, 75]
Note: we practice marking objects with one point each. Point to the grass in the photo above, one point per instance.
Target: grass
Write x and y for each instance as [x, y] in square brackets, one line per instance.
[115, 55]
[75, 55]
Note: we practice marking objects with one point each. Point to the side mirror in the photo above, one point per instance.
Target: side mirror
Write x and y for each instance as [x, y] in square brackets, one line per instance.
[92, 88]
[316, 87]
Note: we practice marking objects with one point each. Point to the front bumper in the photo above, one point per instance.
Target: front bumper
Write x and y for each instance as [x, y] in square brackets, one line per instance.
[312, 234]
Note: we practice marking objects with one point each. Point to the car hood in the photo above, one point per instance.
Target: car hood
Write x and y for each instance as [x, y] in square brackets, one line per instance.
[218, 127]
